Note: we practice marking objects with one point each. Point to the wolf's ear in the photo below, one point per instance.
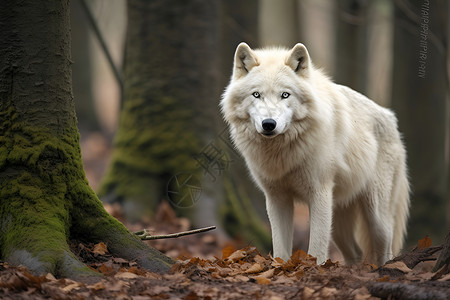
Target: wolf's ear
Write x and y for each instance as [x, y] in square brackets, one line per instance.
[298, 59]
[244, 60]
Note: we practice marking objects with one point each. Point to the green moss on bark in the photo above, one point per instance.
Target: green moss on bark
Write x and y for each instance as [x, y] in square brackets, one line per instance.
[49, 200]
[169, 108]
[45, 198]
[152, 144]
[35, 169]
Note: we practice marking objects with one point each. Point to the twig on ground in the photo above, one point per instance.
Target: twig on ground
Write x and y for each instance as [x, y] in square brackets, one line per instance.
[146, 236]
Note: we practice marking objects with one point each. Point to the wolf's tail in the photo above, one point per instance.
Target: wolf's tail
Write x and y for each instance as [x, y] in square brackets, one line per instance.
[400, 196]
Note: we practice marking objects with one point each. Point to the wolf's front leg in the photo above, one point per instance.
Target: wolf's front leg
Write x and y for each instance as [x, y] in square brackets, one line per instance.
[281, 214]
[320, 215]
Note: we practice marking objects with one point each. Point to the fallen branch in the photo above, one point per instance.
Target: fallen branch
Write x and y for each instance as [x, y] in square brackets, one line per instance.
[444, 256]
[146, 236]
[398, 290]
[411, 259]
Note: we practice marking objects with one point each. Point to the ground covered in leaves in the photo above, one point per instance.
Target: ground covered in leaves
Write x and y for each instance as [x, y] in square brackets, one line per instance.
[209, 267]
[203, 272]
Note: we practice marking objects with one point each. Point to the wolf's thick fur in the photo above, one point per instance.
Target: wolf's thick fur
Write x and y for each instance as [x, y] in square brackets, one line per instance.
[307, 139]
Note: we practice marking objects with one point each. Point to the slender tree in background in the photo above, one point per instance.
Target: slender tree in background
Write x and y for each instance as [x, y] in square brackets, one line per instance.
[278, 23]
[82, 69]
[238, 23]
[351, 44]
[242, 206]
[419, 96]
[45, 199]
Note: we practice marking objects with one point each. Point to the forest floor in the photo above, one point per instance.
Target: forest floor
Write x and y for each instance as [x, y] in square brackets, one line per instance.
[207, 267]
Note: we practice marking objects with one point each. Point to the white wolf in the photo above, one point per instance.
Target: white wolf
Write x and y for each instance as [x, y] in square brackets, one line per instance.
[305, 138]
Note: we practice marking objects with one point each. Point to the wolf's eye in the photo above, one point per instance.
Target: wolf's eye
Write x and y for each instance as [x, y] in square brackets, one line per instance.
[285, 95]
[256, 95]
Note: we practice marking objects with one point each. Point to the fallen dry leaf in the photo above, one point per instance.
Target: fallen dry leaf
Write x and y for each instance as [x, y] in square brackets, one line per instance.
[385, 278]
[262, 280]
[126, 275]
[227, 251]
[106, 269]
[328, 264]
[72, 286]
[119, 260]
[255, 268]
[192, 296]
[100, 249]
[136, 271]
[424, 243]
[423, 267]
[242, 278]
[445, 278]
[160, 289]
[307, 293]
[267, 274]
[398, 265]
[115, 286]
[259, 259]
[50, 277]
[97, 286]
[298, 274]
[327, 292]
[225, 271]
[236, 255]
[361, 294]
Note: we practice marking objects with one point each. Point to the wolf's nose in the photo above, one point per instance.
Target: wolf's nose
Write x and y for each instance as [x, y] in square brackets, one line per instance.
[269, 124]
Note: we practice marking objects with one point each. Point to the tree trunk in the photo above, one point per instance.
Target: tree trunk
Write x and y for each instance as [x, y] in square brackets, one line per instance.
[409, 291]
[420, 92]
[170, 102]
[351, 44]
[82, 69]
[278, 23]
[45, 198]
[242, 211]
[444, 256]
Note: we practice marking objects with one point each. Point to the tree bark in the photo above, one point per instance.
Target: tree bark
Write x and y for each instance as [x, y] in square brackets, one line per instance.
[45, 198]
[444, 256]
[278, 23]
[82, 69]
[242, 211]
[413, 291]
[351, 44]
[419, 95]
[170, 92]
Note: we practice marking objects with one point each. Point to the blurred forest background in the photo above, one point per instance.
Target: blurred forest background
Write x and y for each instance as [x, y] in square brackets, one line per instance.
[148, 76]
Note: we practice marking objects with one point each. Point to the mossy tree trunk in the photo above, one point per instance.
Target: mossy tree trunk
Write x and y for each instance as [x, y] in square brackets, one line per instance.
[45, 199]
[170, 100]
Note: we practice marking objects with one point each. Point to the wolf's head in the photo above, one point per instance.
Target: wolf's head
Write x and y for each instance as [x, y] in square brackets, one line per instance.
[269, 90]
